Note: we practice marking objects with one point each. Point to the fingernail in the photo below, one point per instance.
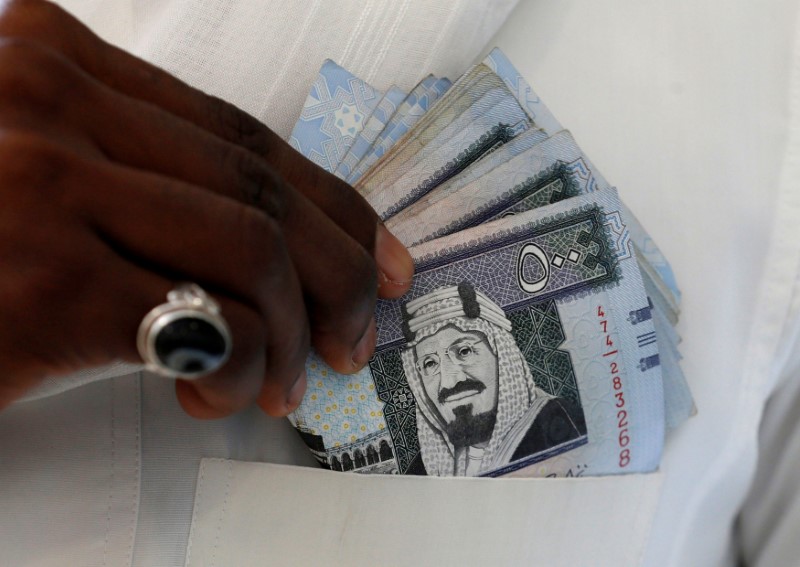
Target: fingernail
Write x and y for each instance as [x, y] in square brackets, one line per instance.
[394, 262]
[297, 392]
[363, 351]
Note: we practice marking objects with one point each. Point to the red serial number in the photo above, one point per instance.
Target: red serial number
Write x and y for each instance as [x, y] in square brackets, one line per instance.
[623, 436]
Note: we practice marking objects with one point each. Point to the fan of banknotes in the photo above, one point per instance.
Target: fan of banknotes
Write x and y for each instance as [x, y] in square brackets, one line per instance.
[538, 336]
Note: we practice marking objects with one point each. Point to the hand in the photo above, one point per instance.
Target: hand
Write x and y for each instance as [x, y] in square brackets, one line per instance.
[118, 181]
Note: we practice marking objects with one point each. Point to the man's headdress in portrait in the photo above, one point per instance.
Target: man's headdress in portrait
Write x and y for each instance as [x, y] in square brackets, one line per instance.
[467, 309]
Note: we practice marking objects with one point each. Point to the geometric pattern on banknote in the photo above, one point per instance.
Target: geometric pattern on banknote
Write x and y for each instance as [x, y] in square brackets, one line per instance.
[333, 115]
[387, 445]
[554, 184]
[538, 331]
[571, 179]
[372, 128]
[577, 247]
[528, 99]
[495, 137]
[399, 409]
[412, 109]
[620, 235]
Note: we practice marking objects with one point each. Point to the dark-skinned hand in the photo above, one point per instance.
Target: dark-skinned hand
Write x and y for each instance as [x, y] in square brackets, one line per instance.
[118, 181]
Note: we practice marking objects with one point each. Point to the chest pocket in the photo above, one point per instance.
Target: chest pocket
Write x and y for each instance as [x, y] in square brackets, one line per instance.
[260, 514]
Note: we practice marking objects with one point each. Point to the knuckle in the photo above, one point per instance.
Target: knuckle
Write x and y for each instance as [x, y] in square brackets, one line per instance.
[259, 185]
[37, 16]
[352, 303]
[31, 162]
[240, 128]
[35, 78]
[260, 245]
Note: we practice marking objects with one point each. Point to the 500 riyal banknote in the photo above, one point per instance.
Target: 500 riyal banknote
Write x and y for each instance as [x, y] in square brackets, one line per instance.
[518, 350]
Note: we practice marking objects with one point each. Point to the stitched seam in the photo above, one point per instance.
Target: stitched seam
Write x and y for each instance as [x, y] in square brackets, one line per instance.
[200, 479]
[137, 463]
[222, 513]
[113, 471]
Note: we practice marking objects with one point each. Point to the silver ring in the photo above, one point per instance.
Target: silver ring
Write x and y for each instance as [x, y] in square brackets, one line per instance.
[186, 337]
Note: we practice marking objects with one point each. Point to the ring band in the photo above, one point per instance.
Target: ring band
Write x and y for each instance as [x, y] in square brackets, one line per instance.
[186, 337]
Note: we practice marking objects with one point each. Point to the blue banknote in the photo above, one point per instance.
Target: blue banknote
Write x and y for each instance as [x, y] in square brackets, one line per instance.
[384, 111]
[538, 111]
[411, 110]
[333, 115]
[478, 169]
[513, 353]
[399, 179]
[552, 170]
[419, 93]
[445, 148]
[544, 119]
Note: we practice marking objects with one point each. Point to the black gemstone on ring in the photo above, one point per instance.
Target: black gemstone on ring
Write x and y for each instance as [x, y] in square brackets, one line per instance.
[190, 345]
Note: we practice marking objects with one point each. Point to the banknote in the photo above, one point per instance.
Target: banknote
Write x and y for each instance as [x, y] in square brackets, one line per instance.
[550, 171]
[514, 352]
[333, 114]
[528, 99]
[414, 107]
[478, 169]
[403, 112]
[544, 119]
[462, 95]
[372, 128]
[474, 375]
[490, 122]
[463, 132]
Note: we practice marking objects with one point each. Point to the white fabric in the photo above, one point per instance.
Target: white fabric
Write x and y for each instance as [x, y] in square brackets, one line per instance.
[771, 515]
[684, 105]
[382, 520]
[263, 55]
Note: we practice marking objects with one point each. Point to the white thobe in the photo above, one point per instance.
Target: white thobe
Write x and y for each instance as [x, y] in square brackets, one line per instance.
[691, 109]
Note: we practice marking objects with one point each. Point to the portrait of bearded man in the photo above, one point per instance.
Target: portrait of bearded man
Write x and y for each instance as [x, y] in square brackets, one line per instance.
[477, 405]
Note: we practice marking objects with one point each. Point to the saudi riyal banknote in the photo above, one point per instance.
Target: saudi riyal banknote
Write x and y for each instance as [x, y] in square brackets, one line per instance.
[478, 169]
[550, 171]
[490, 122]
[414, 107]
[527, 97]
[333, 115]
[428, 403]
[467, 95]
[514, 352]
[651, 256]
[373, 126]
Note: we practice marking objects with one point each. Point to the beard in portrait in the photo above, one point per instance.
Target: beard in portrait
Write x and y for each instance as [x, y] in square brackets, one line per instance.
[477, 405]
